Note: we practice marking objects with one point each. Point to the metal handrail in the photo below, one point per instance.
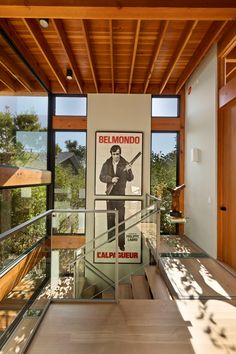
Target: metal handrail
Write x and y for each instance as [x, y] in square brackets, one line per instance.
[20, 227]
[146, 212]
[95, 270]
[101, 211]
[21, 256]
[80, 256]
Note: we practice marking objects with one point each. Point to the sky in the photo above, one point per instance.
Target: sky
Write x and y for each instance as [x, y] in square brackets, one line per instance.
[23, 104]
[61, 137]
[163, 142]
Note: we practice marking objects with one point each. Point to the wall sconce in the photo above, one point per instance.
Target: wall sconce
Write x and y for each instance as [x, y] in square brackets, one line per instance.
[44, 22]
[195, 155]
[69, 74]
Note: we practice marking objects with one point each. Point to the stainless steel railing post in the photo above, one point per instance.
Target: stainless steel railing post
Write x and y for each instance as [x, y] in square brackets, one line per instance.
[117, 259]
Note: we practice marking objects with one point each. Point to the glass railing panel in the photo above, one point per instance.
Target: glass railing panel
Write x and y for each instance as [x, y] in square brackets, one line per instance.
[152, 200]
[68, 223]
[73, 277]
[20, 286]
[134, 259]
[79, 273]
[92, 281]
[15, 244]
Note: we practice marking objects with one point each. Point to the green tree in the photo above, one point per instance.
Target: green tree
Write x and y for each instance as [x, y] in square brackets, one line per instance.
[163, 175]
[27, 122]
[9, 148]
[69, 184]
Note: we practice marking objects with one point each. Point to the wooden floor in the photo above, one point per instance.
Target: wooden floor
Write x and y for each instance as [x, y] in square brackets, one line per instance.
[137, 327]
[204, 324]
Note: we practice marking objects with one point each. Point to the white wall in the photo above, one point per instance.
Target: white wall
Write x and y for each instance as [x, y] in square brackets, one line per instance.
[201, 133]
[121, 112]
[116, 112]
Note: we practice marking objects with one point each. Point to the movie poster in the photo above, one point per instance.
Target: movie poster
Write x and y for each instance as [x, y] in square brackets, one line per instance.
[131, 238]
[118, 163]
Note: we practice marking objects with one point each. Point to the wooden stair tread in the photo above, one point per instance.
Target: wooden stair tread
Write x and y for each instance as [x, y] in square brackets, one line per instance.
[140, 287]
[125, 291]
[108, 294]
[204, 278]
[156, 283]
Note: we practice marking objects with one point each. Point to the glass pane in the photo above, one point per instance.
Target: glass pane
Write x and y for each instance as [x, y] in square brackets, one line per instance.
[19, 296]
[70, 170]
[165, 106]
[21, 241]
[163, 173]
[71, 106]
[20, 204]
[23, 131]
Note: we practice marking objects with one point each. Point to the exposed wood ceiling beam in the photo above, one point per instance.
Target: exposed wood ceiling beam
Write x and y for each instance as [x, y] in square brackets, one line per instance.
[11, 33]
[228, 41]
[89, 52]
[188, 30]
[111, 56]
[231, 60]
[231, 76]
[121, 87]
[158, 44]
[230, 69]
[64, 41]
[231, 57]
[212, 34]
[15, 71]
[7, 80]
[35, 31]
[134, 54]
[125, 9]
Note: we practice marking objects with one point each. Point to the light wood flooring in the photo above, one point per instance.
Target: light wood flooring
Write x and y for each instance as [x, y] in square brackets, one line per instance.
[138, 327]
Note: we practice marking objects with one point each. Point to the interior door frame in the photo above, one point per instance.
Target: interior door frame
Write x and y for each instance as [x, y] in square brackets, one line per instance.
[226, 95]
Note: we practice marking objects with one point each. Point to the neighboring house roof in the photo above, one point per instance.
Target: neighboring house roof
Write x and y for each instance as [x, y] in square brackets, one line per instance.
[67, 156]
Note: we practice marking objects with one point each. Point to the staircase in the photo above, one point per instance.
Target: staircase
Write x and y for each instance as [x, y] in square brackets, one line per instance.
[147, 286]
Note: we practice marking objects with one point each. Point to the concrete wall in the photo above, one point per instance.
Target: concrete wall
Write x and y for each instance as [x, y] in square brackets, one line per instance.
[201, 134]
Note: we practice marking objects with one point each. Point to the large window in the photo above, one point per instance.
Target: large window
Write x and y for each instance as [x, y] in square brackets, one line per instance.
[164, 172]
[70, 179]
[70, 170]
[23, 131]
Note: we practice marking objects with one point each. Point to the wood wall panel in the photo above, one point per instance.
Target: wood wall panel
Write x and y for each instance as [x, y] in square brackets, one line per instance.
[166, 124]
[67, 123]
[67, 242]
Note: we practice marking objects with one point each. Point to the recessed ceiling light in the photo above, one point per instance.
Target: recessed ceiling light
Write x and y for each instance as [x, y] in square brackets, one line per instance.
[44, 22]
[69, 74]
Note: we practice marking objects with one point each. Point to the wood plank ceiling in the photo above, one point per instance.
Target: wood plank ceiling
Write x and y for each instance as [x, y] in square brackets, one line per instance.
[150, 47]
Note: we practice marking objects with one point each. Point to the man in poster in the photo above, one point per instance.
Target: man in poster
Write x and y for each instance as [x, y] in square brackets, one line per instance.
[116, 172]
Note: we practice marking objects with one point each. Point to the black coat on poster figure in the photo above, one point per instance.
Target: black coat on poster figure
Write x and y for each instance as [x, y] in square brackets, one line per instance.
[115, 185]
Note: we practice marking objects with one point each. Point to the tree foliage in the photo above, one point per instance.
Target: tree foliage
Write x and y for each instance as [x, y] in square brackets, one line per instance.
[12, 152]
[69, 184]
[163, 175]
